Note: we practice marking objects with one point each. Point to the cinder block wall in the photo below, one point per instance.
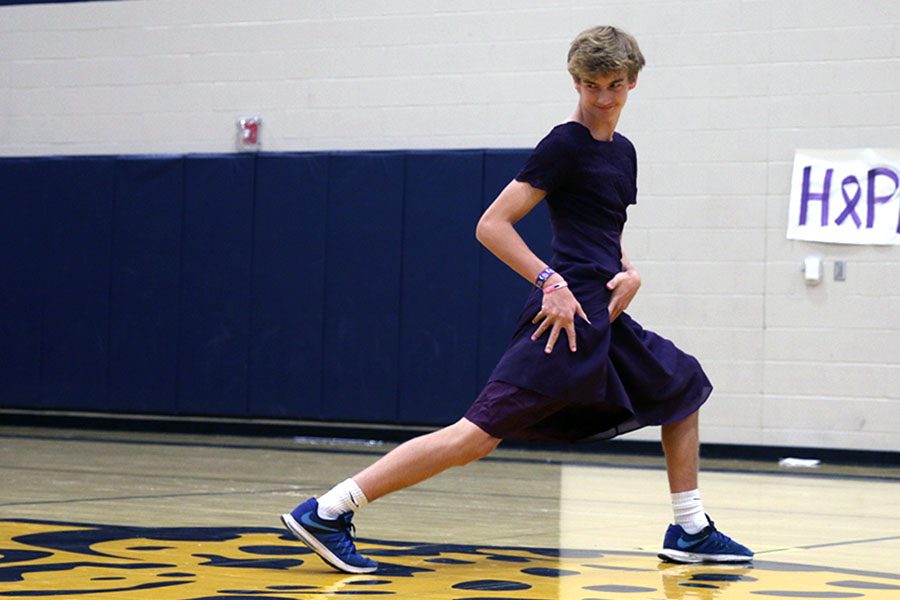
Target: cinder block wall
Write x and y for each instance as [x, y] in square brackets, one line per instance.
[731, 90]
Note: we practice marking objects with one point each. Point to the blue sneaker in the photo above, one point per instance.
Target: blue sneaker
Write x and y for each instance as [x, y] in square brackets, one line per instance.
[708, 545]
[331, 540]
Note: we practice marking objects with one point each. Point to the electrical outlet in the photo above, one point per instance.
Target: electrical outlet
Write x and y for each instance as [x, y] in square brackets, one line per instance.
[840, 270]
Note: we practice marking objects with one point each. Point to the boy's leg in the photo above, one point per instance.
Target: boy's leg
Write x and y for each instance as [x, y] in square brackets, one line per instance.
[407, 464]
[425, 456]
[681, 443]
[693, 538]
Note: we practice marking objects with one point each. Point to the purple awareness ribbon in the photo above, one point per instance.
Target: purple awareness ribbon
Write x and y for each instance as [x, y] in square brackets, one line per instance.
[850, 208]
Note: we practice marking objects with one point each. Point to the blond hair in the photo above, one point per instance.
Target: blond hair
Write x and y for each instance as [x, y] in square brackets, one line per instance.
[604, 50]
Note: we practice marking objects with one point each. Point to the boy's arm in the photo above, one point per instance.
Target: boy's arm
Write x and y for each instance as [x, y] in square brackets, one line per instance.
[497, 232]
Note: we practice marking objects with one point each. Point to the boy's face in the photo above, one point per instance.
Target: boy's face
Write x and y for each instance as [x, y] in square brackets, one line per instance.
[602, 95]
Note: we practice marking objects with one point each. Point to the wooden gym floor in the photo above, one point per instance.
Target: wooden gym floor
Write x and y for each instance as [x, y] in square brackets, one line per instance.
[107, 515]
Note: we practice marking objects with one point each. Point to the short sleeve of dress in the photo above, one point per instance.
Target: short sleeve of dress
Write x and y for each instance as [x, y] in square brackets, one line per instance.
[550, 163]
[631, 154]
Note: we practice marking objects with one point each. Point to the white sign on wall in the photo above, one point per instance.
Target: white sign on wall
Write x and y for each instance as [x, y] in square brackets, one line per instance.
[845, 196]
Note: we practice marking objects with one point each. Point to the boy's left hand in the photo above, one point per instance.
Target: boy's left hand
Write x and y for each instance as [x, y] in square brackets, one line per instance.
[623, 286]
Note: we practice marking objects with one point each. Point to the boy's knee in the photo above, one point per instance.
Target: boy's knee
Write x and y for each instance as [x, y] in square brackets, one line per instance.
[481, 447]
[490, 446]
[470, 442]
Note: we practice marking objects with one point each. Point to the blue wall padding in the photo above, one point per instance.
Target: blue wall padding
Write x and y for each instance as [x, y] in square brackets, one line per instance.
[75, 345]
[340, 286]
[502, 291]
[288, 285]
[146, 254]
[439, 303]
[22, 266]
[362, 286]
[217, 230]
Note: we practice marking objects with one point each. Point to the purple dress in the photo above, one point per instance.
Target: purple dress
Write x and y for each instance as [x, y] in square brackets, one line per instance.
[622, 377]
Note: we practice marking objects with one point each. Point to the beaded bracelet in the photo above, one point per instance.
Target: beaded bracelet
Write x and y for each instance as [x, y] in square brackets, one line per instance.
[543, 276]
[556, 286]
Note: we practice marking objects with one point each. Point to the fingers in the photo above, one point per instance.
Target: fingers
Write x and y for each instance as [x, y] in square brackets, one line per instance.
[540, 330]
[554, 334]
[614, 282]
[555, 330]
[615, 309]
[570, 333]
[580, 312]
[551, 341]
[558, 314]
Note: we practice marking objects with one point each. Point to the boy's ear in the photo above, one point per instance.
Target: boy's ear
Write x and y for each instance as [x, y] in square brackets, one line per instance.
[632, 81]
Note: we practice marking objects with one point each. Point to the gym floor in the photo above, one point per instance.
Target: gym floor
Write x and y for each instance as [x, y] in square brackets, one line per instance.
[116, 515]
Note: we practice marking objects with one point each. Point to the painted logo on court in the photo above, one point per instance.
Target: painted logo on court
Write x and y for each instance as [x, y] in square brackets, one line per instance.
[67, 561]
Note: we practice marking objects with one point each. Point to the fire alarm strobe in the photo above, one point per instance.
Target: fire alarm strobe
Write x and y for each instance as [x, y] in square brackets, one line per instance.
[248, 132]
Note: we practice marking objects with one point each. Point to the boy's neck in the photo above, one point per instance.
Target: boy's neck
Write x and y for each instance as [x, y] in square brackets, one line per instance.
[600, 130]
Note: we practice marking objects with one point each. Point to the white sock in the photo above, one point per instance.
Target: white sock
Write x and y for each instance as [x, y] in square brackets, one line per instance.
[343, 498]
[688, 509]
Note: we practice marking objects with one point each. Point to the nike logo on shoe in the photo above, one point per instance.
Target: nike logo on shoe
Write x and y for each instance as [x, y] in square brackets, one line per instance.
[307, 521]
[684, 544]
